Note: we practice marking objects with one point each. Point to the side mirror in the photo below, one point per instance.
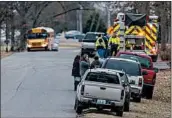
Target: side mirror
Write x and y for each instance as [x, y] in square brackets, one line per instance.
[144, 73]
[156, 70]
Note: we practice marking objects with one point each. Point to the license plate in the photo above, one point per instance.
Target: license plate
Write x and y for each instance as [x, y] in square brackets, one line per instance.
[101, 101]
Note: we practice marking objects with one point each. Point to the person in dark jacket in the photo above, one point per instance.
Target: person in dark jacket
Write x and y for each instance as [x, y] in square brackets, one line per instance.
[96, 63]
[84, 64]
[76, 71]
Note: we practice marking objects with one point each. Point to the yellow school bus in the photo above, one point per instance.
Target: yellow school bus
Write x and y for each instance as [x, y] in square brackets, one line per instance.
[40, 38]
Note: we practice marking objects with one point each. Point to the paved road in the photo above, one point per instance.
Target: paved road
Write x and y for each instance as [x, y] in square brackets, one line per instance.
[38, 84]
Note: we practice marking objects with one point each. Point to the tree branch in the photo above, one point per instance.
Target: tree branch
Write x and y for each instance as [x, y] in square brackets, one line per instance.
[39, 13]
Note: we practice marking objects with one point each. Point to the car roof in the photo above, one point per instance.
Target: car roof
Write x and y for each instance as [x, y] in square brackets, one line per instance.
[95, 33]
[106, 70]
[133, 53]
[122, 59]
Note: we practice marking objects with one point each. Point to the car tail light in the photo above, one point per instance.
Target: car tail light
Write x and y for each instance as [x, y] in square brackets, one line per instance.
[82, 89]
[140, 81]
[122, 94]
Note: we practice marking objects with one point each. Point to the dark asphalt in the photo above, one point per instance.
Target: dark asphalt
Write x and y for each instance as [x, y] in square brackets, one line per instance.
[38, 84]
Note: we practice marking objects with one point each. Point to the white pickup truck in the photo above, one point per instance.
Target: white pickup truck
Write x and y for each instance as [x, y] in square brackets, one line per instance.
[101, 89]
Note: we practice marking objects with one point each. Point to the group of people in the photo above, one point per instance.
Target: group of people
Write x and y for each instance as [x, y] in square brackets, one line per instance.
[104, 43]
[80, 64]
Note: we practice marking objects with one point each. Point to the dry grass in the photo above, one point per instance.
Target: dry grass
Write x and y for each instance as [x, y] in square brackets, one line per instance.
[158, 107]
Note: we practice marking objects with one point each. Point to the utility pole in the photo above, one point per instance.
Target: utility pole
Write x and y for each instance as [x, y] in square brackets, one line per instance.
[80, 18]
[77, 20]
[109, 24]
[108, 15]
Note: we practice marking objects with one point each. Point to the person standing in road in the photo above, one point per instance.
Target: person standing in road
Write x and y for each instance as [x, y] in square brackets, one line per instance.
[84, 64]
[100, 46]
[114, 43]
[76, 71]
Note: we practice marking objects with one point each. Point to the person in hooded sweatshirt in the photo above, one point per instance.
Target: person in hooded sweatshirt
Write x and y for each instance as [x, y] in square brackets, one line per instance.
[96, 63]
[76, 71]
[84, 64]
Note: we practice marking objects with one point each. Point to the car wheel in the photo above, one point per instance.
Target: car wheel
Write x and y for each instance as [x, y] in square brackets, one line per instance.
[28, 49]
[127, 106]
[46, 48]
[137, 99]
[149, 94]
[119, 112]
[78, 107]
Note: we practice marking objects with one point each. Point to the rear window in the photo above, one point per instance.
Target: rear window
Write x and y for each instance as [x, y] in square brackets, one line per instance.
[102, 77]
[145, 62]
[131, 68]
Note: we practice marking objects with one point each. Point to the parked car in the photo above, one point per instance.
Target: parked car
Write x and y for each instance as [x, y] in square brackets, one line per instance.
[133, 71]
[126, 84]
[101, 89]
[74, 34]
[147, 66]
[88, 43]
[55, 44]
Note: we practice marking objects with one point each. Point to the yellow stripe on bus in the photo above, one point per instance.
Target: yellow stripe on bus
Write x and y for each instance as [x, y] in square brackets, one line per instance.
[129, 30]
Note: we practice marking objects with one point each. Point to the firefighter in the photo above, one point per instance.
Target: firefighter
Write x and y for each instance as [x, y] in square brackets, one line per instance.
[114, 43]
[100, 46]
[128, 45]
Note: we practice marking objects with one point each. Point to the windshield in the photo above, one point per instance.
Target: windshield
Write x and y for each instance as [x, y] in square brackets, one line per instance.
[91, 36]
[37, 36]
[102, 77]
[131, 68]
[145, 62]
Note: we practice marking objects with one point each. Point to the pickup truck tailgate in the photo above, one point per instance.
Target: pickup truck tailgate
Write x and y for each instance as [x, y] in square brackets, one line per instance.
[103, 91]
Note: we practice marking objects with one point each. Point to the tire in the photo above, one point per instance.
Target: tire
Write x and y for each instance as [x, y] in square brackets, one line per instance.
[28, 49]
[119, 112]
[127, 106]
[138, 99]
[149, 93]
[78, 107]
[155, 58]
[46, 48]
